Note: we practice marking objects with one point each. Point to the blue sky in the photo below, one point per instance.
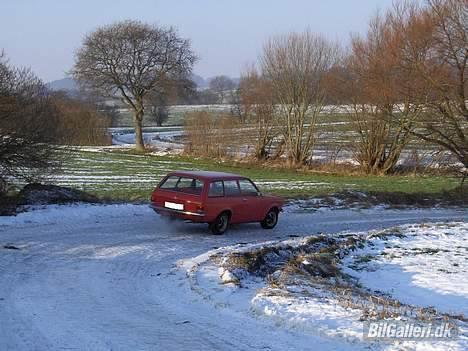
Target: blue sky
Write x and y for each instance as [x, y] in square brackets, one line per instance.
[225, 34]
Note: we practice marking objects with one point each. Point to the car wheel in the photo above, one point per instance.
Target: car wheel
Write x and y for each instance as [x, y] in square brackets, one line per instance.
[220, 224]
[270, 220]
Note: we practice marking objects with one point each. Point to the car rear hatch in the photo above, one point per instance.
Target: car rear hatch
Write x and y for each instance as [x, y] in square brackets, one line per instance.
[179, 195]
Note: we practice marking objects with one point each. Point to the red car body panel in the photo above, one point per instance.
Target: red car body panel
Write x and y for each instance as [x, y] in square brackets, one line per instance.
[202, 208]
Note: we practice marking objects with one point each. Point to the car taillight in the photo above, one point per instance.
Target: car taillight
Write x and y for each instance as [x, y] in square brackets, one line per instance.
[199, 208]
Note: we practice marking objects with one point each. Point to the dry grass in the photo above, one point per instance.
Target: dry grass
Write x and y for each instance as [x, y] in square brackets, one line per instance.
[211, 136]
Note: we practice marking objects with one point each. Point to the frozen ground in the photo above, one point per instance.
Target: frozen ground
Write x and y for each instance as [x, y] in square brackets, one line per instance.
[107, 278]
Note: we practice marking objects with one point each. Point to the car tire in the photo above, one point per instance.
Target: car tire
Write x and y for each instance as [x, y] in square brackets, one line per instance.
[220, 224]
[270, 220]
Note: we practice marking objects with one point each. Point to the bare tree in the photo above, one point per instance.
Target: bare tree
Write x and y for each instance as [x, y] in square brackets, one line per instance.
[222, 86]
[385, 96]
[440, 55]
[207, 97]
[212, 135]
[131, 58]
[169, 92]
[236, 108]
[28, 125]
[110, 110]
[81, 121]
[258, 109]
[296, 65]
[184, 92]
[160, 114]
[158, 109]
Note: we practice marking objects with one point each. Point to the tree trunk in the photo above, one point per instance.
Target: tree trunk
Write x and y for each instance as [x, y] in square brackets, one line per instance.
[138, 121]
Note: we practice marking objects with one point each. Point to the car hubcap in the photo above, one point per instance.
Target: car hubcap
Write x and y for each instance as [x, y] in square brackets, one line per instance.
[271, 218]
[222, 223]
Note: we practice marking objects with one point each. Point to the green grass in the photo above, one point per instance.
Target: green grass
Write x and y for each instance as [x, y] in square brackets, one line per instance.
[119, 175]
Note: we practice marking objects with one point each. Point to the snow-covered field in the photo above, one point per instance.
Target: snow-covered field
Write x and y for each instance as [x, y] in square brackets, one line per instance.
[89, 277]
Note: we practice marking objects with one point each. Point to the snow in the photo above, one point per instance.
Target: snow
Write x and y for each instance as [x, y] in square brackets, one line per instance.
[313, 316]
[164, 141]
[427, 267]
[118, 277]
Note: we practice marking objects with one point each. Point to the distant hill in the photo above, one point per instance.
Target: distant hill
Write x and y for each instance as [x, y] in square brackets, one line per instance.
[69, 85]
[201, 82]
[66, 84]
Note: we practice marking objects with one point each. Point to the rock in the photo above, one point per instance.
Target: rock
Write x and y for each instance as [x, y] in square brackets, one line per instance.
[7, 210]
[41, 194]
[8, 205]
[227, 277]
[183, 322]
[320, 265]
[10, 247]
[276, 275]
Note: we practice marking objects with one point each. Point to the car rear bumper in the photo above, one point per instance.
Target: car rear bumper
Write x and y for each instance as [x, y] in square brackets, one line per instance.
[195, 216]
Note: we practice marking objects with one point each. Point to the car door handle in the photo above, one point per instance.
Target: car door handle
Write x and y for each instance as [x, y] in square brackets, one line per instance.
[244, 199]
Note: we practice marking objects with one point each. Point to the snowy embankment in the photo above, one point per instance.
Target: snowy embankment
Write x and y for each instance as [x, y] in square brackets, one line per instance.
[327, 287]
[104, 277]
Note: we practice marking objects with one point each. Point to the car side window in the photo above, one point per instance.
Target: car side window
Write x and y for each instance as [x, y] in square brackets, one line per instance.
[247, 188]
[231, 188]
[216, 189]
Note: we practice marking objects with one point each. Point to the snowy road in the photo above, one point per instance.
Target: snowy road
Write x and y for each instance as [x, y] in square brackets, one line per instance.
[104, 278]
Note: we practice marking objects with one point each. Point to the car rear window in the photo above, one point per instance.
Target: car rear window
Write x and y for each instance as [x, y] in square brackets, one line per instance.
[169, 183]
[183, 184]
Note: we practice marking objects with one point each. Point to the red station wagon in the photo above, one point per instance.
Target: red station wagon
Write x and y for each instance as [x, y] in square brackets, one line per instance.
[215, 198]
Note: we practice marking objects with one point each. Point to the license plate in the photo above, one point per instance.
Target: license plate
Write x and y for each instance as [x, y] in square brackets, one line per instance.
[173, 206]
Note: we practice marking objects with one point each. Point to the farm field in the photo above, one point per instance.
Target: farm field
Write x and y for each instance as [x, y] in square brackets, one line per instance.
[119, 174]
[335, 137]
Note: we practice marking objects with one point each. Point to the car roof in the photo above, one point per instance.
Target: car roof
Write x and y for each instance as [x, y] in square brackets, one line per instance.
[207, 175]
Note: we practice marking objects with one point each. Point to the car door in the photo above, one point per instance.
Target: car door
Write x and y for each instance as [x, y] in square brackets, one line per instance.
[233, 198]
[252, 206]
[223, 195]
[215, 201]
